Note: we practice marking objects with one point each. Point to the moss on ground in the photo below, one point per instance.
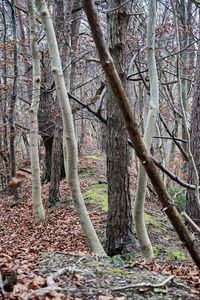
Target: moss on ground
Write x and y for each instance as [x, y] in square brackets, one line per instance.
[150, 220]
[95, 157]
[97, 194]
[170, 254]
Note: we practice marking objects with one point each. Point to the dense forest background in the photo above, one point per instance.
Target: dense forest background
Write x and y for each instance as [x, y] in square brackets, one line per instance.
[112, 80]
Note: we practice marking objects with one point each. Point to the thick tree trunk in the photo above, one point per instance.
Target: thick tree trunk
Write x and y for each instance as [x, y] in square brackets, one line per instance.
[56, 157]
[188, 240]
[119, 234]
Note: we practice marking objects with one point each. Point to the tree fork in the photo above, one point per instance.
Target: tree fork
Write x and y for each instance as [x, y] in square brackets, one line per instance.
[131, 125]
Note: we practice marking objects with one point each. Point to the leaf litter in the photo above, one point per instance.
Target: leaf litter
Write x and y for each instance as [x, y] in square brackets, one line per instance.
[30, 253]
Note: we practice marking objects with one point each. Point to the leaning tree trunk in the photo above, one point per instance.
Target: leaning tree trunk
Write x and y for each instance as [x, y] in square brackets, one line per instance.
[119, 233]
[169, 208]
[35, 166]
[69, 140]
[145, 244]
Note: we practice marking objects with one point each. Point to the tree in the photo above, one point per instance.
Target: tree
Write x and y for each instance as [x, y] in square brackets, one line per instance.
[119, 233]
[35, 165]
[192, 204]
[69, 140]
[145, 244]
[132, 127]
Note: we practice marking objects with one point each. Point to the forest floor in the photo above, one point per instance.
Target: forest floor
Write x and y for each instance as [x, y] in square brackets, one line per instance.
[51, 260]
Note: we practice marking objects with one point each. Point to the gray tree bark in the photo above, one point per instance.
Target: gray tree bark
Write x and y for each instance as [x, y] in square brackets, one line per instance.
[69, 140]
[192, 207]
[35, 166]
[189, 242]
[119, 233]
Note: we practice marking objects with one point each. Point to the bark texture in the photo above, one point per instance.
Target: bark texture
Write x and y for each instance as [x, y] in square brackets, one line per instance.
[145, 244]
[119, 235]
[131, 125]
[35, 166]
[69, 140]
[192, 207]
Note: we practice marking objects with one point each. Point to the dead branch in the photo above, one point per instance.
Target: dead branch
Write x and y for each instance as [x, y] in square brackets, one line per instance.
[189, 220]
[51, 285]
[144, 284]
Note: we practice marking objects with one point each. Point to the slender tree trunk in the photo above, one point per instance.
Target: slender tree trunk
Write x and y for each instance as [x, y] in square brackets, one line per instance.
[188, 240]
[69, 140]
[35, 166]
[13, 99]
[119, 232]
[179, 88]
[192, 207]
[145, 244]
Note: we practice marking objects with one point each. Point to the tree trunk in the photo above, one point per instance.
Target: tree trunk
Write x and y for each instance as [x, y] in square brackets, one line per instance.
[189, 242]
[119, 234]
[35, 166]
[192, 207]
[69, 140]
[56, 157]
[145, 244]
[13, 99]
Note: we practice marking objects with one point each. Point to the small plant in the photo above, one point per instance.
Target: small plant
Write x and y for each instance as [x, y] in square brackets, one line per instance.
[177, 195]
[120, 260]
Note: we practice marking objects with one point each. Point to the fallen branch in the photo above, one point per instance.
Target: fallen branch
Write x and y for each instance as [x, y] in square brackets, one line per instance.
[51, 285]
[144, 284]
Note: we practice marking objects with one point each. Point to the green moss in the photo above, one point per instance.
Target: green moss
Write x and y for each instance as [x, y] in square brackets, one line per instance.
[117, 271]
[156, 230]
[97, 194]
[95, 157]
[86, 171]
[149, 220]
[169, 254]
[179, 255]
[155, 251]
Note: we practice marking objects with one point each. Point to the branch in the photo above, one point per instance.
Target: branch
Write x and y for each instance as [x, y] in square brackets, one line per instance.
[97, 114]
[87, 81]
[174, 177]
[142, 284]
[169, 174]
[175, 141]
[189, 220]
[51, 285]
[115, 8]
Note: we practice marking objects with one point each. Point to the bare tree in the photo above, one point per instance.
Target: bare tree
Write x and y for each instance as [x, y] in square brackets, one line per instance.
[69, 140]
[142, 235]
[132, 127]
[35, 165]
[119, 234]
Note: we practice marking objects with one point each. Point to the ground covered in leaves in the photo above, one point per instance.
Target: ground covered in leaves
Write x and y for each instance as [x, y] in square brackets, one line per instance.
[51, 260]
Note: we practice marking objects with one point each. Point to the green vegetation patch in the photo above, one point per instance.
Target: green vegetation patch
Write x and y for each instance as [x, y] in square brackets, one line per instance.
[97, 194]
[178, 196]
[95, 157]
[149, 220]
[117, 271]
[169, 254]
